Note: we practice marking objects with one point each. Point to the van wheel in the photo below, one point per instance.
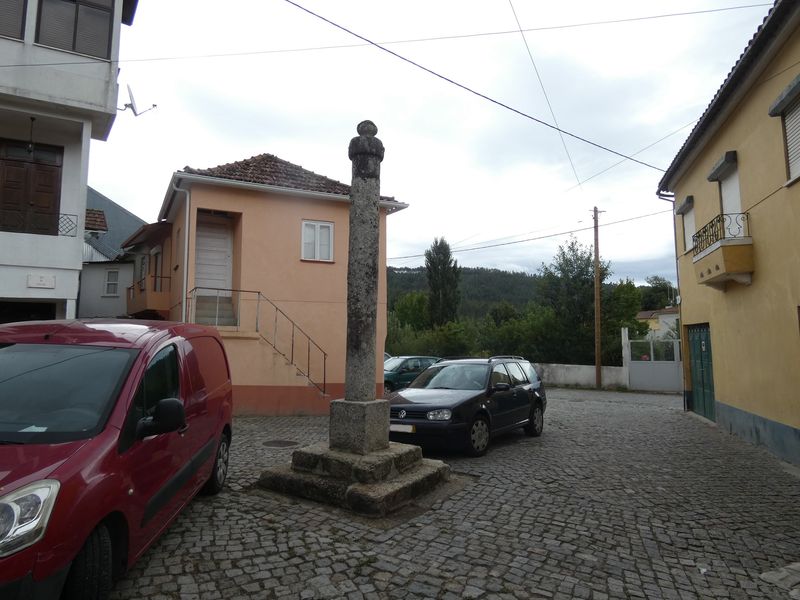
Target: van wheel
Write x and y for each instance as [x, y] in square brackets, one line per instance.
[90, 574]
[219, 472]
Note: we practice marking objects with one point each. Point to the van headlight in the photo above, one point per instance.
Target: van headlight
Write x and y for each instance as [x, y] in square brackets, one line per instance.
[442, 414]
[24, 514]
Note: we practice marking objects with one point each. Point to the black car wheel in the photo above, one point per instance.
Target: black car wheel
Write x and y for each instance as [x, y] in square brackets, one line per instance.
[90, 575]
[219, 472]
[478, 436]
[388, 387]
[535, 421]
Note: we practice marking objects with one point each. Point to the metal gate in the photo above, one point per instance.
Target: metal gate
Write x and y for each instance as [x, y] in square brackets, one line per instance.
[700, 363]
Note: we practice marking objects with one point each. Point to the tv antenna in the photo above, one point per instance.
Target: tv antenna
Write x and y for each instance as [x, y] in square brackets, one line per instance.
[132, 105]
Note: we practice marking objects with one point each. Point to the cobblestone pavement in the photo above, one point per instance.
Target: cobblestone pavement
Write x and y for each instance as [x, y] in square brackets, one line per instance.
[624, 496]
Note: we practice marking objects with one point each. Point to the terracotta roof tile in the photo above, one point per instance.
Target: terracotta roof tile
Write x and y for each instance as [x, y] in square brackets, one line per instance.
[95, 220]
[271, 170]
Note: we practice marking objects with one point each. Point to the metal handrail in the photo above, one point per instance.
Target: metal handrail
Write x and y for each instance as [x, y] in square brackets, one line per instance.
[723, 226]
[262, 302]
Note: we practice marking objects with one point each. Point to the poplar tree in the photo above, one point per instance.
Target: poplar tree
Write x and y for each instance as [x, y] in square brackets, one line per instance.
[443, 280]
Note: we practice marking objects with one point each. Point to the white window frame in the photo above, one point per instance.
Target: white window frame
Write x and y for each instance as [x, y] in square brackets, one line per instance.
[106, 283]
[318, 226]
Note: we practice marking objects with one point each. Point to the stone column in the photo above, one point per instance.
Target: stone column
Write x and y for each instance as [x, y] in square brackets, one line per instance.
[360, 423]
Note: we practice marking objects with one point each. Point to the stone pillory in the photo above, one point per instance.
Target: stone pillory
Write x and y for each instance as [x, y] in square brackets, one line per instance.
[359, 469]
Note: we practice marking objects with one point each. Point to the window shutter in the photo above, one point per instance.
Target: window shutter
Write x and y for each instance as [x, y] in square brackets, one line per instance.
[11, 18]
[94, 32]
[57, 24]
[791, 121]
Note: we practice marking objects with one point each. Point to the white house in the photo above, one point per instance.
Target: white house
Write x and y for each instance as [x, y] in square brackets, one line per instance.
[106, 276]
[58, 91]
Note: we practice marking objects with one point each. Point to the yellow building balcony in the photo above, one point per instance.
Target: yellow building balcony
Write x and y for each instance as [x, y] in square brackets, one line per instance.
[150, 294]
[723, 251]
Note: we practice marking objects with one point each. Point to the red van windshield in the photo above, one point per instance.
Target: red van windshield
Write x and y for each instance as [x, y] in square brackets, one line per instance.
[53, 393]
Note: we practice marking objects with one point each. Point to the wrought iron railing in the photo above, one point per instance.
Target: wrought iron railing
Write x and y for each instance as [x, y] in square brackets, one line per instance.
[252, 311]
[40, 224]
[721, 227]
[68, 225]
[157, 284]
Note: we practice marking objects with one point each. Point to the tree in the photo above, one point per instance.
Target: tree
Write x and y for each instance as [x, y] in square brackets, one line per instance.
[658, 293]
[412, 309]
[567, 287]
[443, 279]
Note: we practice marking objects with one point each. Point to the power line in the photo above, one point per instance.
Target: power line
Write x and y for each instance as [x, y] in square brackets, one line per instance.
[474, 92]
[616, 164]
[405, 41]
[543, 237]
[544, 91]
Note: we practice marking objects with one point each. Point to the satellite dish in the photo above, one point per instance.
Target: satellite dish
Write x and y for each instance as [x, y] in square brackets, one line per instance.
[133, 101]
[132, 105]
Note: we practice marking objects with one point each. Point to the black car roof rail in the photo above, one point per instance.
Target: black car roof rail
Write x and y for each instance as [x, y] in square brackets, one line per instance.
[505, 356]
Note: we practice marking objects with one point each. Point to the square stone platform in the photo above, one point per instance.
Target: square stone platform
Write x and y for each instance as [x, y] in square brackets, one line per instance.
[373, 484]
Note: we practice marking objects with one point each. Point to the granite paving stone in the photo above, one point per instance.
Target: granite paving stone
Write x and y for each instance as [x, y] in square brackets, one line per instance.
[623, 496]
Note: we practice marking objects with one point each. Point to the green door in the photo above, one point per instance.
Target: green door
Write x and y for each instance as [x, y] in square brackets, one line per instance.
[702, 370]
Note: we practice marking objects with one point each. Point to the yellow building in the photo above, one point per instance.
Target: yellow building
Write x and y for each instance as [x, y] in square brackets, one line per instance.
[259, 249]
[737, 229]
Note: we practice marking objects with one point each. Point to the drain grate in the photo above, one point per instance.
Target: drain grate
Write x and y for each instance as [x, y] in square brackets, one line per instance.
[280, 444]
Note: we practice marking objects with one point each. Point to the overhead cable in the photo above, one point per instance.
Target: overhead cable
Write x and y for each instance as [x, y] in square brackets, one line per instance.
[475, 92]
[542, 237]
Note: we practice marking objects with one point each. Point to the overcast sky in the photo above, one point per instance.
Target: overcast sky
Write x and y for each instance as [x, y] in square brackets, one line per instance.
[246, 77]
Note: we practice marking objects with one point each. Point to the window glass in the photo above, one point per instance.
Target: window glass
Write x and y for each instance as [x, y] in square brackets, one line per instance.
[500, 375]
[12, 18]
[517, 376]
[453, 377]
[112, 283]
[161, 380]
[52, 393]
[530, 371]
[309, 241]
[317, 241]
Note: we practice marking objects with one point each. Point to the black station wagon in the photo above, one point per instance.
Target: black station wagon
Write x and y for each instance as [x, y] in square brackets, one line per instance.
[464, 403]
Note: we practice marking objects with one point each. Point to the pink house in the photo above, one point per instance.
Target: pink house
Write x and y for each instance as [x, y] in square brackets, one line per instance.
[258, 248]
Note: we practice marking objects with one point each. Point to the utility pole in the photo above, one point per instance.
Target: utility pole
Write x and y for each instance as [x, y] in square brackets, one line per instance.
[598, 368]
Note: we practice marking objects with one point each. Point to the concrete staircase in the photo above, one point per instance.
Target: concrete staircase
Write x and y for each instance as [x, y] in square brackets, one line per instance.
[214, 310]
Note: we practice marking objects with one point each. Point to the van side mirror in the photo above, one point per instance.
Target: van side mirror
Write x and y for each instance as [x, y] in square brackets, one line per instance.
[168, 416]
[501, 387]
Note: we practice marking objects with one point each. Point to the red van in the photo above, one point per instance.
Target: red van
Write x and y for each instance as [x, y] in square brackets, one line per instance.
[108, 428]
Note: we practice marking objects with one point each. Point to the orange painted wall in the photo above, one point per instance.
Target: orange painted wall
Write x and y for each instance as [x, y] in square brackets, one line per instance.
[267, 251]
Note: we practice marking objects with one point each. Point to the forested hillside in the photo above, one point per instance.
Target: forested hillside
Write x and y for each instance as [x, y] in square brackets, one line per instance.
[480, 288]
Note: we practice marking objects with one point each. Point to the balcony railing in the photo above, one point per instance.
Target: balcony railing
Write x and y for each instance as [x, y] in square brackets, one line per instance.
[252, 311]
[150, 293]
[43, 224]
[721, 227]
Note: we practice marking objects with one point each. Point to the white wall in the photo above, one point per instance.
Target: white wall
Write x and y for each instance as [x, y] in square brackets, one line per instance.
[88, 89]
[555, 375]
[52, 261]
[93, 301]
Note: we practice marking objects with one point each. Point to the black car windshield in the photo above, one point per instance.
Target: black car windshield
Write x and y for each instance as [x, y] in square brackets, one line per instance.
[53, 393]
[452, 377]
